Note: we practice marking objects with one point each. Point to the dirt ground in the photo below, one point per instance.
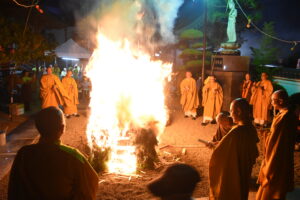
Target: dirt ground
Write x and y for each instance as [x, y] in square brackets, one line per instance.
[179, 143]
[183, 146]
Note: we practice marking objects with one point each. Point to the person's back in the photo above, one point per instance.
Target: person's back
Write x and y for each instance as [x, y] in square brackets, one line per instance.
[50, 170]
[231, 163]
[233, 158]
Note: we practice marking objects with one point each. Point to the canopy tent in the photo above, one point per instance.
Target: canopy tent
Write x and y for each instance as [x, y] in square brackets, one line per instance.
[70, 49]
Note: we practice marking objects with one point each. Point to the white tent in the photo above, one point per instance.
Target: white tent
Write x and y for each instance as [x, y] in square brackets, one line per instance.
[70, 49]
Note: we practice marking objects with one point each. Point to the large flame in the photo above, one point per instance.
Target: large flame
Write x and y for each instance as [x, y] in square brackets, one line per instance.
[127, 92]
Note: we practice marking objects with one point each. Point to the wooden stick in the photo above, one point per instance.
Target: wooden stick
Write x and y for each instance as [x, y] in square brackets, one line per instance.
[203, 141]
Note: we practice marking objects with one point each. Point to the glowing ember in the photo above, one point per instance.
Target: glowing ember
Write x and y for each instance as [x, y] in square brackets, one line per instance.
[127, 93]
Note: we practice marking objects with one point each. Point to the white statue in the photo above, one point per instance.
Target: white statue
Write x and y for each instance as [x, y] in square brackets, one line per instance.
[231, 33]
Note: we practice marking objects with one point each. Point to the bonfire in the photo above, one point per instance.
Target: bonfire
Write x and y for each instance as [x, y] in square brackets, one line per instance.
[127, 99]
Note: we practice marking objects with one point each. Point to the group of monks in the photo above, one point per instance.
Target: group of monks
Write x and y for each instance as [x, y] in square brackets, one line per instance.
[235, 143]
[212, 98]
[57, 93]
[258, 94]
[235, 152]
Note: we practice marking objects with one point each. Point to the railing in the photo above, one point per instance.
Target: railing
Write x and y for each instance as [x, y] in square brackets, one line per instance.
[288, 73]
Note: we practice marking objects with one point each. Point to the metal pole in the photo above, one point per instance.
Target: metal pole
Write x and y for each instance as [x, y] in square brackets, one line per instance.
[204, 41]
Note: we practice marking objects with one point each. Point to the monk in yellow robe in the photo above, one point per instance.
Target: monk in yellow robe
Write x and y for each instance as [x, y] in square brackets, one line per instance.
[70, 86]
[51, 90]
[232, 160]
[276, 176]
[246, 88]
[189, 96]
[261, 99]
[212, 100]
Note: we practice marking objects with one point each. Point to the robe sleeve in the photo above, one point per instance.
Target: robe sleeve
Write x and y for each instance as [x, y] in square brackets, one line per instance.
[220, 94]
[278, 145]
[204, 94]
[195, 94]
[254, 93]
[16, 185]
[44, 89]
[268, 90]
[182, 87]
[75, 91]
[221, 180]
[87, 182]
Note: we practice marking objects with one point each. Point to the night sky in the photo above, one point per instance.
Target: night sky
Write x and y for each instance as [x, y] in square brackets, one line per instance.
[285, 13]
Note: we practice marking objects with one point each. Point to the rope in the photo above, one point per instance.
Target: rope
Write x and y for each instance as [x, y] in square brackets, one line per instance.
[295, 42]
[25, 6]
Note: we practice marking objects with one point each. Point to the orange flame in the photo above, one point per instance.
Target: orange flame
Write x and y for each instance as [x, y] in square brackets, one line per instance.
[128, 91]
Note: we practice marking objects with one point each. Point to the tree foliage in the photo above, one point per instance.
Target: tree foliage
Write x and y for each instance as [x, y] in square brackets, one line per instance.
[191, 34]
[192, 50]
[267, 52]
[22, 47]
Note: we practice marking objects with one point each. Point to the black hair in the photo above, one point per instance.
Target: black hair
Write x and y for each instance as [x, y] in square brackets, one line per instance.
[176, 179]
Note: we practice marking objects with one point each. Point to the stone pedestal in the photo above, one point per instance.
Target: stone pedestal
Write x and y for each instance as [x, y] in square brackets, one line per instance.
[230, 72]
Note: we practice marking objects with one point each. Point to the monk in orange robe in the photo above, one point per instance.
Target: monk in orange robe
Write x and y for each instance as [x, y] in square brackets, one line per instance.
[261, 99]
[212, 101]
[276, 176]
[189, 96]
[51, 90]
[70, 86]
[246, 88]
[231, 162]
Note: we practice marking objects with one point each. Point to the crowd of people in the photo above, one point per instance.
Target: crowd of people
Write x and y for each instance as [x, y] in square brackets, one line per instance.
[51, 170]
[235, 142]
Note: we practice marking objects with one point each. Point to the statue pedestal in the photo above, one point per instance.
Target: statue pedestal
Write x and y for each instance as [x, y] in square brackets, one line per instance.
[230, 72]
[230, 48]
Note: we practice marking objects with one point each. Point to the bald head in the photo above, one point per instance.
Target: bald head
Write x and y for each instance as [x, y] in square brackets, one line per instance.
[240, 110]
[50, 123]
[279, 99]
[224, 119]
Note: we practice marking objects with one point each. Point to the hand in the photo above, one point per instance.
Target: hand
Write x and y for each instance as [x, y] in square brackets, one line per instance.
[211, 144]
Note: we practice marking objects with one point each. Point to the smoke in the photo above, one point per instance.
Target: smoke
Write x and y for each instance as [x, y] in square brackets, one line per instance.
[143, 22]
[167, 14]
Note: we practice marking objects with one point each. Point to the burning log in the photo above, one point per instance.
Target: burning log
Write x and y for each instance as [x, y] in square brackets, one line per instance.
[98, 158]
[145, 142]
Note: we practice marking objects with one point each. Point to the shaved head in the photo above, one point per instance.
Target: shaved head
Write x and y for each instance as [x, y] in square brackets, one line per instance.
[50, 122]
[279, 99]
[240, 110]
[281, 94]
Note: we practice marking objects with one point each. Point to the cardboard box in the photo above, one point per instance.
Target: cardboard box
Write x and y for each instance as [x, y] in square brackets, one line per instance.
[16, 109]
